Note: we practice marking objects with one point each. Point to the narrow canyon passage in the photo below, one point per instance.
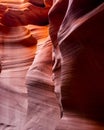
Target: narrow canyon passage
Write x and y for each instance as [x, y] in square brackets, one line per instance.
[51, 65]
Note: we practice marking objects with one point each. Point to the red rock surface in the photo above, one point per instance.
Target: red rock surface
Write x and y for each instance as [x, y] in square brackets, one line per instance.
[51, 65]
[78, 62]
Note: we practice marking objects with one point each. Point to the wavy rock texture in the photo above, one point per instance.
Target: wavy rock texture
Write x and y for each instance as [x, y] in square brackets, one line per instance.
[42, 100]
[21, 72]
[17, 50]
[78, 62]
[47, 75]
[23, 13]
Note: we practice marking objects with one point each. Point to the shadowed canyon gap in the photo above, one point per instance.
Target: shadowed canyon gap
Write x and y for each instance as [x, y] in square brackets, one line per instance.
[51, 64]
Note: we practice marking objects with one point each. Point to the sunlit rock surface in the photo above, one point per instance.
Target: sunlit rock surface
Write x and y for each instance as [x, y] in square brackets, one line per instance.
[17, 50]
[51, 80]
[23, 13]
[42, 100]
[19, 45]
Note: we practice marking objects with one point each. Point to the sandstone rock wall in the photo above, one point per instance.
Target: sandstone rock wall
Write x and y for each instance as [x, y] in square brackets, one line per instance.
[77, 37]
[51, 65]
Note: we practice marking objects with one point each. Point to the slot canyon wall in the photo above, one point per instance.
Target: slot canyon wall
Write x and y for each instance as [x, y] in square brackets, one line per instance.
[51, 65]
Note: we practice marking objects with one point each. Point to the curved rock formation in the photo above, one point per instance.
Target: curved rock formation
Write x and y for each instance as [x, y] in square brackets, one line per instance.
[18, 45]
[24, 13]
[17, 50]
[43, 109]
[78, 66]
[38, 67]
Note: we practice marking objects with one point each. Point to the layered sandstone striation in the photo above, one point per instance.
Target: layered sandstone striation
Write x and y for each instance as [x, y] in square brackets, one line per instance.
[25, 68]
[78, 62]
[51, 65]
